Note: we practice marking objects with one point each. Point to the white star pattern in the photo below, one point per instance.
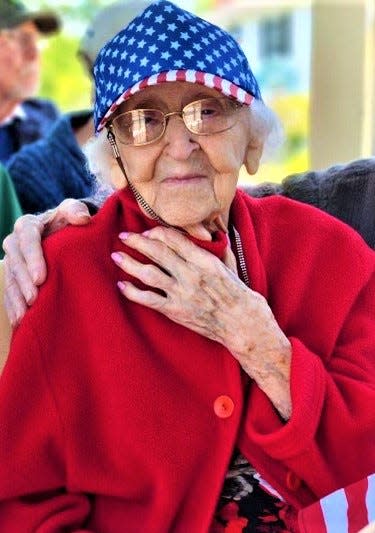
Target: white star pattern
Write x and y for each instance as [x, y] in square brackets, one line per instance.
[184, 41]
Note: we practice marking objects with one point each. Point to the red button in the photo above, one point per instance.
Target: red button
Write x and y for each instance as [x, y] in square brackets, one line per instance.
[293, 482]
[223, 406]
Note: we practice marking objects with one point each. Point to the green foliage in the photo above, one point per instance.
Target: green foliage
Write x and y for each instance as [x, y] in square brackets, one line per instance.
[293, 110]
[63, 77]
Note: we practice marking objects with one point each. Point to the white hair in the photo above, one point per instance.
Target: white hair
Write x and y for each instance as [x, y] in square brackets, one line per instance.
[264, 124]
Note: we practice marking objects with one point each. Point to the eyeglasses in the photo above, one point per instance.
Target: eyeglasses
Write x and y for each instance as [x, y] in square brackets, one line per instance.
[203, 117]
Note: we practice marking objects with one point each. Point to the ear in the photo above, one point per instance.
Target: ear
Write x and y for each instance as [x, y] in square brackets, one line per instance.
[253, 154]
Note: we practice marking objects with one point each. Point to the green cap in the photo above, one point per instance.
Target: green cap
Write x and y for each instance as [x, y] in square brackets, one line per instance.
[13, 13]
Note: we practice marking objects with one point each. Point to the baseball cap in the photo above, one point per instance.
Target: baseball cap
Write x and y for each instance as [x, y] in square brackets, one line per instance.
[166, 43]
[109, 21]
[14, 13]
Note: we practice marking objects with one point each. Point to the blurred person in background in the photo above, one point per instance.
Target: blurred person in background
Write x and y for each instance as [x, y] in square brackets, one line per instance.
[23, 118]
[54, 168]
[10, 208]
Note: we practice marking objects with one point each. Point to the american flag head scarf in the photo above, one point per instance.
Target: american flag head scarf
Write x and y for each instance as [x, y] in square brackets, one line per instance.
[166, 43]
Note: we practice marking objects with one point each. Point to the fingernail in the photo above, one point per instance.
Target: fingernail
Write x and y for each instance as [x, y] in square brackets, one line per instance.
[146, 233]
[117, 257]
[30, 297]
[35, 276]
[121, 285]
[124, 235]
[80, 211]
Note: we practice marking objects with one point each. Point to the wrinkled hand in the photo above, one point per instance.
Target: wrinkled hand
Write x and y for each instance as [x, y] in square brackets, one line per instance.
[205, 295]
[24, 265]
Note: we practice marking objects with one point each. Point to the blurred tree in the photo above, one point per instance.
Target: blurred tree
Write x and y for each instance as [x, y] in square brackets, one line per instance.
[64, 79]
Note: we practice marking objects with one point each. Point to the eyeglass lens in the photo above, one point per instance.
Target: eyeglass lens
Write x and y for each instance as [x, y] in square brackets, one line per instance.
[203, 117]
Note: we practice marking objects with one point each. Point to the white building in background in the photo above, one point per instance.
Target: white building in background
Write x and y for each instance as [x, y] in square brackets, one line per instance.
[279, 48]
[323, 47]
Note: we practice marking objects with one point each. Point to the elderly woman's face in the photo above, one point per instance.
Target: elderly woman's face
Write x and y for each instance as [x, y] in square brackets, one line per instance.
[186, 178]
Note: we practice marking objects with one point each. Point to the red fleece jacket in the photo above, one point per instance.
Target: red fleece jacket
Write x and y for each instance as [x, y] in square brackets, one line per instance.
[107, 408]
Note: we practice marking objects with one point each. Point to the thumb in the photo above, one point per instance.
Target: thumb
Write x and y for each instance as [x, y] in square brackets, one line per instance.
[229, 260]
[72, 212]
[68, 212]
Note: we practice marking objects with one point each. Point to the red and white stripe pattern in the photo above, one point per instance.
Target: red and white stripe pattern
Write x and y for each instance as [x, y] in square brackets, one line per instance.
[346, 510]
[193, 76]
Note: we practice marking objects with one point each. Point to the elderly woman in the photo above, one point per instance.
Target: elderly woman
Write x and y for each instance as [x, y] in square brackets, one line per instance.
[234, 383]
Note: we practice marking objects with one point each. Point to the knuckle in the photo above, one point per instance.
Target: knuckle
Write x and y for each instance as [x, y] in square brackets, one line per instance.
[24, 221]
[67, 206]
[151, 273]
[8, 243]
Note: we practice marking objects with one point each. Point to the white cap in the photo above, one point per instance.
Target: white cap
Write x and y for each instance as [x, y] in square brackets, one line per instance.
[107, 23]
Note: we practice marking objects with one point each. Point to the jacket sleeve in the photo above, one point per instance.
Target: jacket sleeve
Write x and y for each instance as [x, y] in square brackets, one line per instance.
[329, 440]
[33, 492]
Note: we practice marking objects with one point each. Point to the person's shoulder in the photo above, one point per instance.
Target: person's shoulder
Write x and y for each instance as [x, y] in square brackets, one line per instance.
[304, 223]
[84, 243]
[41, 106]
[320, 188]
